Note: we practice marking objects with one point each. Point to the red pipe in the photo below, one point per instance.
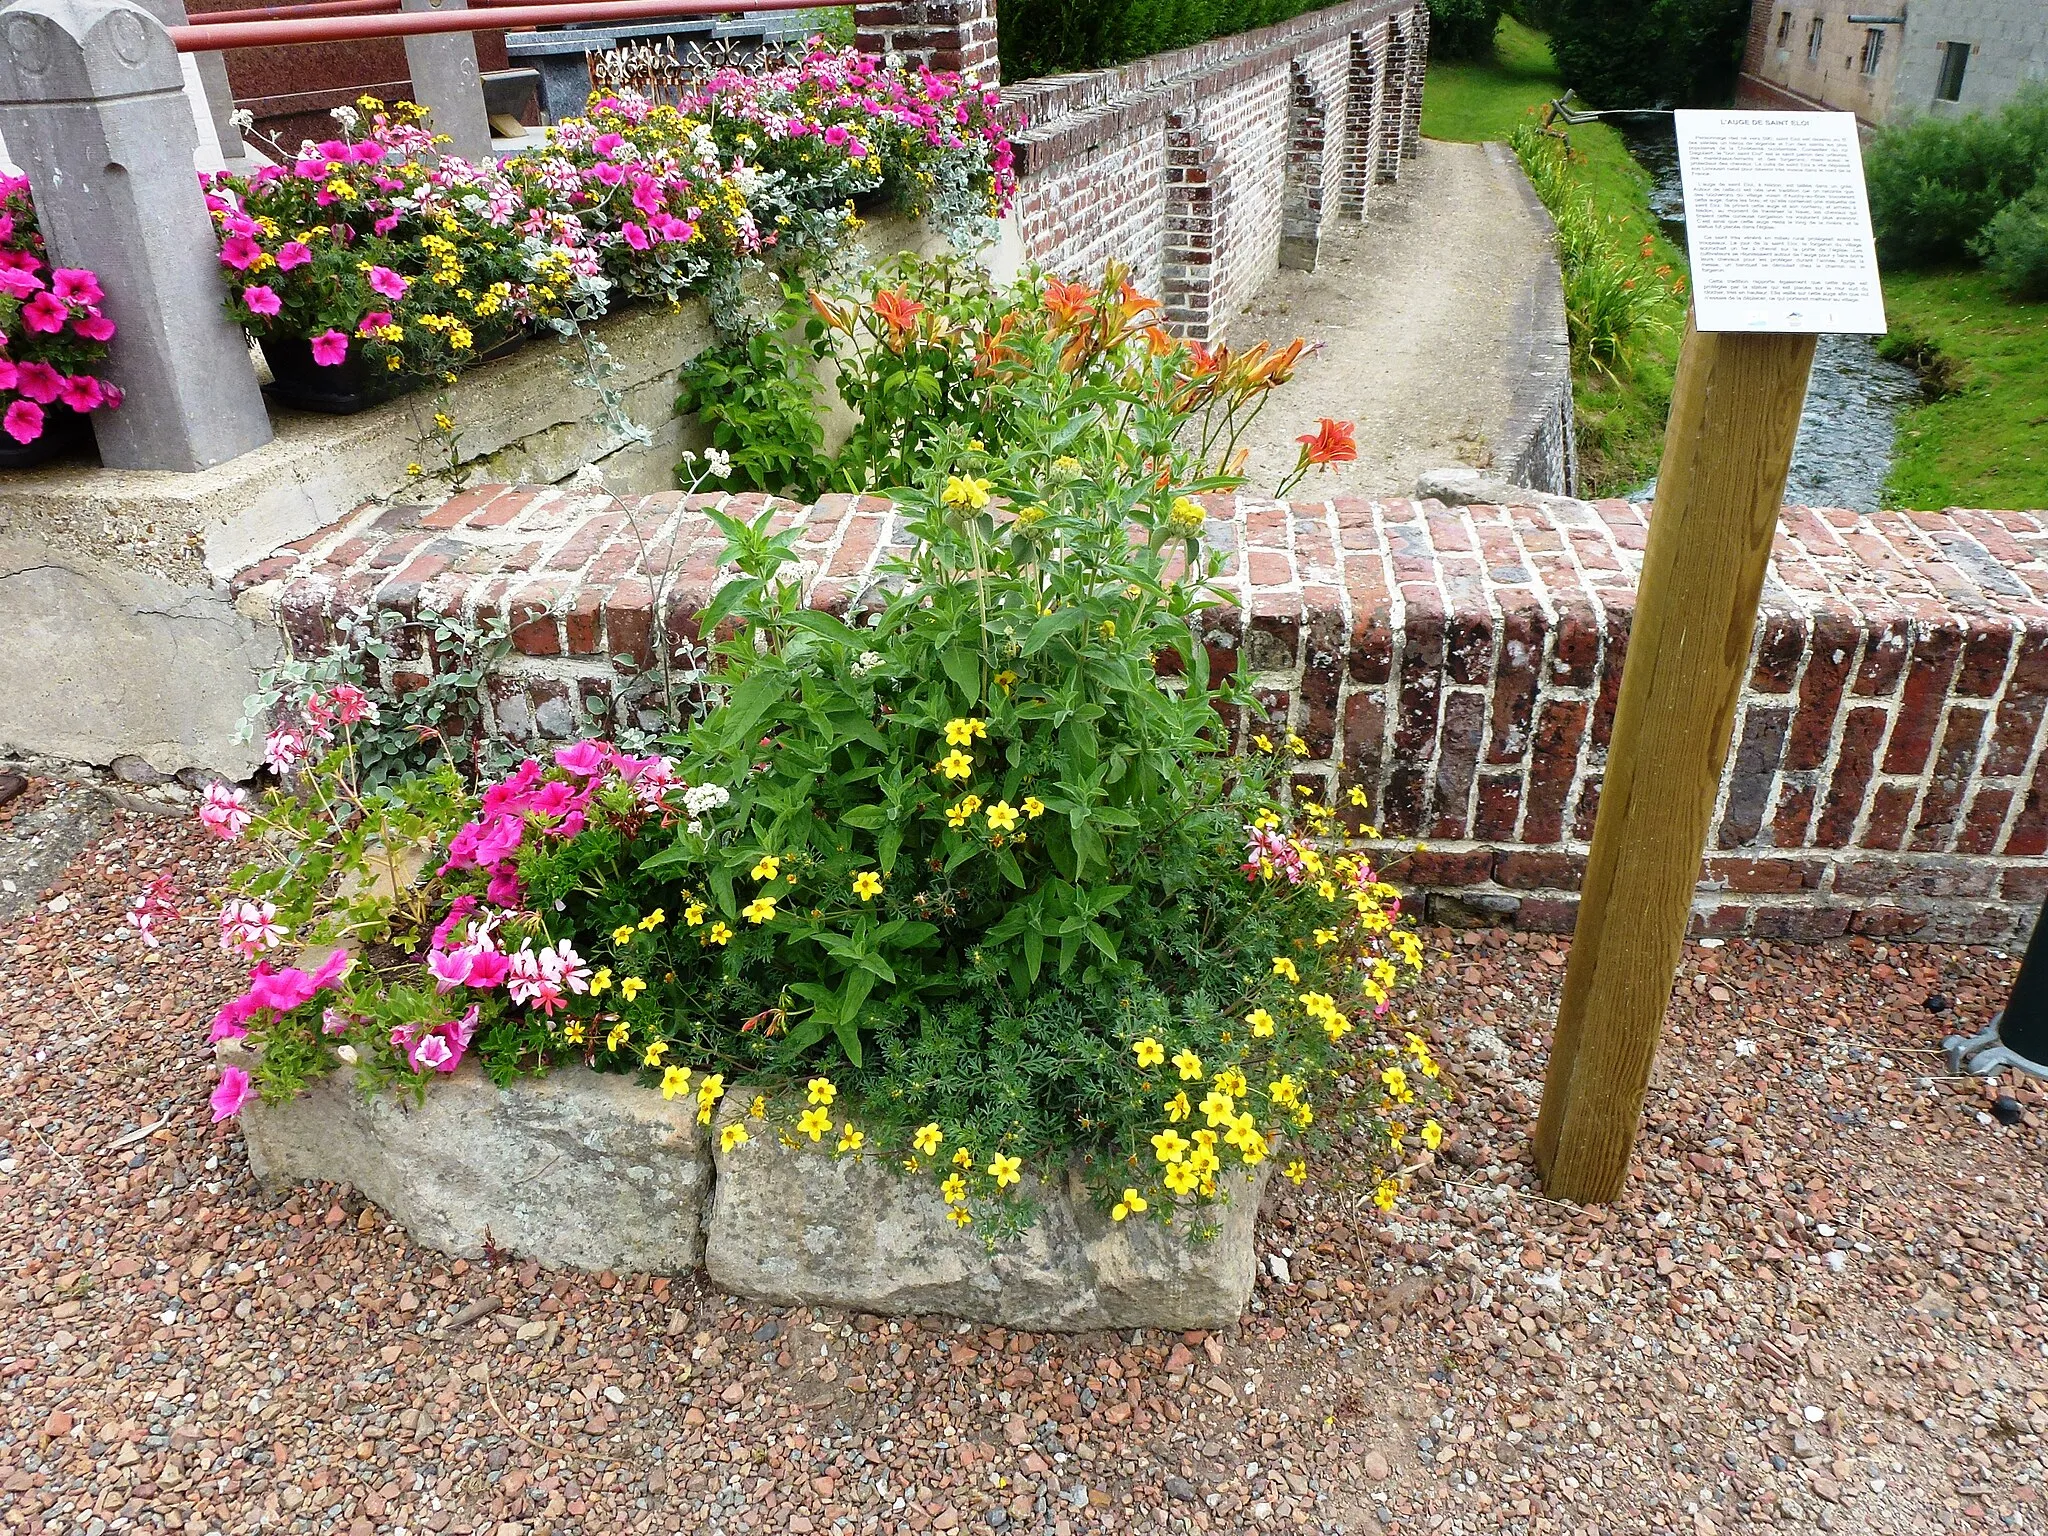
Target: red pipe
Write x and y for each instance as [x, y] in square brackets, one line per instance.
[283, 12]
[203, 37]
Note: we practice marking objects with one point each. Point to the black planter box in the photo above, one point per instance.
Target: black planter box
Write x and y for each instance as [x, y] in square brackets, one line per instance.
[65, 431]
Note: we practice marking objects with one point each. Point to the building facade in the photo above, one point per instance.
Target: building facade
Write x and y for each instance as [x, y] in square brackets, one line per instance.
[1885, 62]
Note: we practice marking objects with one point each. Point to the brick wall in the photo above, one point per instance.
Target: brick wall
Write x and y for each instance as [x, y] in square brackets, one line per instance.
[1461, 665]
[1209, 165]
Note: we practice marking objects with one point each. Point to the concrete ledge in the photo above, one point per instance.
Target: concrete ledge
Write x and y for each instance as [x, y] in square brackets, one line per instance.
[578, 1168]
[1539, 446]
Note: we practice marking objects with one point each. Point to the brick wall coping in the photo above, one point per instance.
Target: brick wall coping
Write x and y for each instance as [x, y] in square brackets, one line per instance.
[1060, 116]
[1461, 664]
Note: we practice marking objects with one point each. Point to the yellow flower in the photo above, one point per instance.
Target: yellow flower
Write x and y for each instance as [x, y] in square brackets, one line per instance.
[962, 1158]
[601, 980]
[618, 1035]
[631, 988]
[1325, 936]
[928, 1138]
[623, 934]
[867, 885]
[653, 1057]
[1296, 745]
[1432, 1135]
[1186, 516]
[814, 1123]
[1169, 1146]
[959, 1216]
[1189, 1065]
[956, 815]
[964, 733]
[769, 867]
[1261, 1023]
[1033, 807]
[1219, 1107]
[674, 1081]
[1283, 1090]
[759, 910]
[1004, 1170]
[954, 1190]
[965, 491]
[955, 765]
[1296, 1170]
[734, 1135]
[1130, 1205]
[1282, 966]
[819, 1090]
[1106, 629]
[1180, 1178]
[1006, 679]
[1263, 743]
[850, 1137]
[1357, 796]
[1178, 1108]
[573, 1032]
[1231, 1081]
[1385, 1196]
[1397, 1084]
[1150, 1052]
[693, 914]
[758, 1110]
[719, 934]
[712, 1089]
[1002, 817]
[654, 919]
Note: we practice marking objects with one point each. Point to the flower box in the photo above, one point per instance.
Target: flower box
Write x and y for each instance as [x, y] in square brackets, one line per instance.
[64, 432]
[300, 381]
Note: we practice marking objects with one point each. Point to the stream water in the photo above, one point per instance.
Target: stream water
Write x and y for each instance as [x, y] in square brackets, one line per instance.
[1850, 423]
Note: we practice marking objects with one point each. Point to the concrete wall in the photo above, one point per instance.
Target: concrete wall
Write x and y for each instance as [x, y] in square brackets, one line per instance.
[1791, 75]
[2008, 48]
[2008, 42]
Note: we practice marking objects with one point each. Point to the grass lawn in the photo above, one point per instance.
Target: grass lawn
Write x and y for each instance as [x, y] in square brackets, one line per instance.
[1987, 444]
[1620, 426]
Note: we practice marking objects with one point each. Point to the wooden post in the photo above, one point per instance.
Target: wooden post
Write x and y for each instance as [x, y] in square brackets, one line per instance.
[1734, 414]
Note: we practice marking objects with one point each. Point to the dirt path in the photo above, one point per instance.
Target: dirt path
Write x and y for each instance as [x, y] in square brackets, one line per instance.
[1414, 309]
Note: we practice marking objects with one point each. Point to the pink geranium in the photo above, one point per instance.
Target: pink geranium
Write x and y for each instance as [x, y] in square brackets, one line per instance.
[224, 811]
[330, 347]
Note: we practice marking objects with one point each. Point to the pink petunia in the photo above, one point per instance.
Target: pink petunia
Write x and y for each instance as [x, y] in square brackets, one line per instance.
[293, 253]
[235, 1090]
[75, 285]
[261, 299]
[39, 381]
[17, 284]
[45, 313]
[373, 322]
[388, 223]
[240, 252]
[8, 373]
[82, 393]
[634, 236]
[94, 327]
[330, 347]
[23, 421]
[388, 283]
[584, 759]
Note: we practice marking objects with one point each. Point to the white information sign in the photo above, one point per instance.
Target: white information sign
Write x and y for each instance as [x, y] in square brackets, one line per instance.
[1777, 222]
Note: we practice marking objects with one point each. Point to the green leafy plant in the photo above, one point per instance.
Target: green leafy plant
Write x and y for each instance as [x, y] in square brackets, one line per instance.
[1649, 53]
[2014, 246]
[1463, 29]
[758, 401]
[1936, 183]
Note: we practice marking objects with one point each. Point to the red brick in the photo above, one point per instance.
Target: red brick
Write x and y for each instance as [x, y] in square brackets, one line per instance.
[1547, 914]
[1820, 691]
[1528, 870]
[1855, 766]
[1433, 869]
[1984, 822]
[1500, 804]
[1920, 705]
[1889, 809]
[1760, 877]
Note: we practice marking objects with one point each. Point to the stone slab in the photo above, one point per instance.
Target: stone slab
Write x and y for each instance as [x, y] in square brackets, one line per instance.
[797, 1226]
[579, 1168]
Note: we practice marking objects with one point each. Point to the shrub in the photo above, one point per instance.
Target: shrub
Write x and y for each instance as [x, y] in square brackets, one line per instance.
[53, 337]
[1044, 37]
[1463, 29]
[1936, 184]
[1655, 53]
[969, 868]
[2015, 245]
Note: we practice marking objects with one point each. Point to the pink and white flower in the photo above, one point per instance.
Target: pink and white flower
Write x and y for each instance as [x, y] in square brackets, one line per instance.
[225, 812]
[248, 928]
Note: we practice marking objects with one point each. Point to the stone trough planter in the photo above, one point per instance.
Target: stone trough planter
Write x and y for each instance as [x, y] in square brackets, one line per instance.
[595, 1171]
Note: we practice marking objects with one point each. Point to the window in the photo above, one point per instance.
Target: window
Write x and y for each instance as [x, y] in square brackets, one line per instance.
[1955, 58]
[1873, 50]
[1784, 27]
[1813, 38]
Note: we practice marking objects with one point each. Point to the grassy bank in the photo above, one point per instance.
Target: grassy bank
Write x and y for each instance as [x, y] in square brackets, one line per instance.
[1985, 443]
[1620, 421]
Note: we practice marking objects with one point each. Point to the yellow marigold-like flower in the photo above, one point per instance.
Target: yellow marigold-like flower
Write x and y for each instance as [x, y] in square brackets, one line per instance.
[600, 980]
[1033, 807]
[1186, 517]
[928, 1138]
[1219, 1107]
[758, 1110]
[1002, 817]
[623, 934]
[960, 1216]
[1303, 1116]
[1181, 1179]
[867, 885]
[1283, 1090]
[1432, 1135]
[814, 1123]
[693, 914]
[1397, 1084]
[1004, 1170]
[963, 1157]
[1385, 1196]
[965, 491]
[674, 1081]
[1189, 1065]
[573, 1032]
[631, 988]
[955, 765]
[719, 934]
[1261, 1023]
[1282, 966]
[1296, 1170]
[850, 1137]
[1178, 1108]
[1325, 936]
[1263, 742]
[965, 732]
[1296, 745]
[957, 815]
[769, 867]
[1250, 1144]
[1231, 1081]
[1130, 1205]
[1358, 797]
[1169, 1146]
[1150, 1052]
[653, 1055]
[954, 1190]
[759, 910]
[653, 920]
[618, 1035]
[712, 1088]
[734, 1135]
[819, 1090]
[1006, 679]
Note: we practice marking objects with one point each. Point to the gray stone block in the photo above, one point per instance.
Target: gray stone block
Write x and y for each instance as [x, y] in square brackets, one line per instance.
[798, 1226]
[578, 1168]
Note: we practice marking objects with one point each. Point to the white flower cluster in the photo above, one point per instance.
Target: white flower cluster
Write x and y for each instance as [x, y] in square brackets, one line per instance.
[700, 799]
[866, 663]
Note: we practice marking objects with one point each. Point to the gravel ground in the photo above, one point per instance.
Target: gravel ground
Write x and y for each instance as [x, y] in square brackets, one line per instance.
[1819, 1303]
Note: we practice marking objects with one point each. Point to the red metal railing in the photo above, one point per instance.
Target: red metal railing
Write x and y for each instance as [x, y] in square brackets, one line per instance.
[347, 21]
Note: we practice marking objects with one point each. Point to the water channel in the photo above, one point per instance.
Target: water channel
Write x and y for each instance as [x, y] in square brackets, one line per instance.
[1850, 423]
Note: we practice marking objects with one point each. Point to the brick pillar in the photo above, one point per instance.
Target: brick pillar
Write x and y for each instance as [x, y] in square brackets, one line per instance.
[943, 34]
[1301, 203]
[1393, 102]
[1418, 66]
[1361, 96]
[1197, 193]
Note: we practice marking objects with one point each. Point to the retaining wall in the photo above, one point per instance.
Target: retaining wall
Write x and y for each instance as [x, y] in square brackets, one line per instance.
[1207, 168]
[1460, 664]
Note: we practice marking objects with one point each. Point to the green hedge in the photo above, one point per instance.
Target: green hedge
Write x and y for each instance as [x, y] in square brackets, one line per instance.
[1937, 184]
[1654, 53]
[1046, 37]
[1463, 29]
